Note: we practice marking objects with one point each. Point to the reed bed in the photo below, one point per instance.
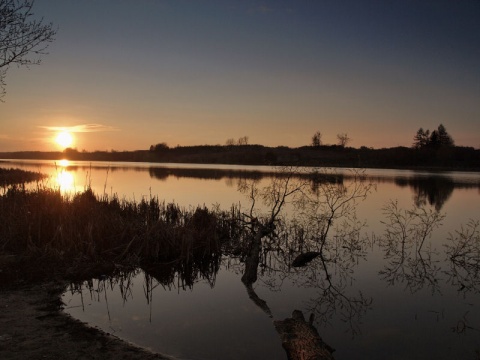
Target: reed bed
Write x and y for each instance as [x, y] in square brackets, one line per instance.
[45, 225]
[17, 176]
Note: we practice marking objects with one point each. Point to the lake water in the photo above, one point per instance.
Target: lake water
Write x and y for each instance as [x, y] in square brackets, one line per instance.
[378, 296]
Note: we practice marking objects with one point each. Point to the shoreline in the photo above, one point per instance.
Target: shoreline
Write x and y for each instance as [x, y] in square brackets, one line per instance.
[432, 169]
[447, 158]
[33, 326]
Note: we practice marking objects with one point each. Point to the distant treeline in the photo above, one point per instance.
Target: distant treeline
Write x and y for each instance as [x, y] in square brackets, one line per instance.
[445, 158]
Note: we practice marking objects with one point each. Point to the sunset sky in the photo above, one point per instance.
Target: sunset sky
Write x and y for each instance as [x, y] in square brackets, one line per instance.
[126, 74]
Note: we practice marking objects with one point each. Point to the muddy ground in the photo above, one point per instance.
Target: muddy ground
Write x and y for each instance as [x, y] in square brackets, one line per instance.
[33, 326]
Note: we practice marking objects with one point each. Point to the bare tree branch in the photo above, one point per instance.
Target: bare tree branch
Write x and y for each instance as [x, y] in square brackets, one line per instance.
[23, 39]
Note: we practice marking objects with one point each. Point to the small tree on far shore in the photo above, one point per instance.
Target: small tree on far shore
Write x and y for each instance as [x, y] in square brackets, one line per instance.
[159, 147]
[243, 140]
[317, 139]
[343, 139]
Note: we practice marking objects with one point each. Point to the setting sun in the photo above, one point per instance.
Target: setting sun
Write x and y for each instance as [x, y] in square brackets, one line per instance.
[64, 139]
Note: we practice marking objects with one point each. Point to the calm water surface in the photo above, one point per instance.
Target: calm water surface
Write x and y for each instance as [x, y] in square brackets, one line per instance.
[378, 299]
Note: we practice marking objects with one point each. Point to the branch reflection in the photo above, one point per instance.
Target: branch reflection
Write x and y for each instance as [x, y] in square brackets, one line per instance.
[409, 261]
[304, 230]
[304, 249]
[463, 251]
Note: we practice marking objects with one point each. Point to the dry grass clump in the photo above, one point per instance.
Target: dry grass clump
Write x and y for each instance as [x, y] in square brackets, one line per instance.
[85, 228]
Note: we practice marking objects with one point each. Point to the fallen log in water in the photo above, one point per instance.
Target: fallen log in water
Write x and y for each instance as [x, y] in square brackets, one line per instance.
[304, 258]
[301, 340]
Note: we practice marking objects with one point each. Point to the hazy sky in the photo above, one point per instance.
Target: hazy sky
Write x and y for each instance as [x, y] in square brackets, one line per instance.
[130, 73]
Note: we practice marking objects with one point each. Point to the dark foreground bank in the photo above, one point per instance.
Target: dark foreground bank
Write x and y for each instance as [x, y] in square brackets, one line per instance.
[48, 241]
[32, 326]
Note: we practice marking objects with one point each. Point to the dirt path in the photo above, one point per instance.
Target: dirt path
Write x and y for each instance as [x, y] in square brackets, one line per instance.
[32, 326]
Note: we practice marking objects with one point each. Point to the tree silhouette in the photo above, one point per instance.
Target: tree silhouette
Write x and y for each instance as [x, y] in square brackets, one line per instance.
[160, 147]
[243, 140]
[317, 139]
[21, 36]
[421, 139]
[343, 139]
[436, 139]
[443, 138]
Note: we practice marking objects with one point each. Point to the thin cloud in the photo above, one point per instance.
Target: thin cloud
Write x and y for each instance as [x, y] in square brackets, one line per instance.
[84, 128]
[261, 9]
[266, 9]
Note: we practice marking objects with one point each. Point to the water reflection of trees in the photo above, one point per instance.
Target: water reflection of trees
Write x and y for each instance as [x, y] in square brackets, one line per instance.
[327, 268]
[434, 190]
[318, 248]
[409, 261]
[463, 253]
[235, 176]
[205, 174]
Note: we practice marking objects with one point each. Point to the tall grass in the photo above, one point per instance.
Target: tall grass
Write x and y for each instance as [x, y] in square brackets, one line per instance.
[45, 224]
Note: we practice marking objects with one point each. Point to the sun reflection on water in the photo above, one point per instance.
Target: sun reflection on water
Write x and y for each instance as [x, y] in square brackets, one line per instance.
[65, 179]
[64, 163]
